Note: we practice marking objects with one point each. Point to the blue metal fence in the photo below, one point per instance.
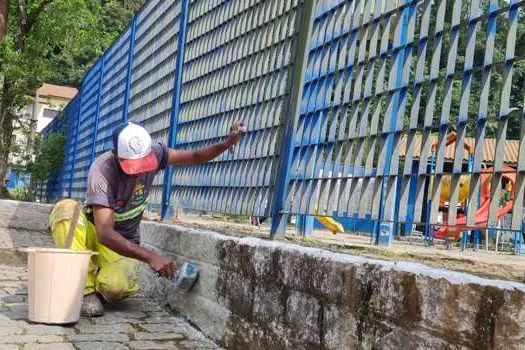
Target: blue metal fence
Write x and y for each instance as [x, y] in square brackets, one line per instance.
[53, 187]
[238, 63]
[333, 92]
[87, 119]
[154, 86]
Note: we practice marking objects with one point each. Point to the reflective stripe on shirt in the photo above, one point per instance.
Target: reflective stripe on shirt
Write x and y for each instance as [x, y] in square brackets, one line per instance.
[131, 214]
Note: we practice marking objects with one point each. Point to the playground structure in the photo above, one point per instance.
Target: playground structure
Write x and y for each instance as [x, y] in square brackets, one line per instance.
[482, 212]
[330, 224]
[321, 85]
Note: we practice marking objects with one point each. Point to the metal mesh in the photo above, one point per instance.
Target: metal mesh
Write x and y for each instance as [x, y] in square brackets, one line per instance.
[385, 74]
[89, 96]
[153, 76]
[385, 84]
[113, 91]
[236, 68]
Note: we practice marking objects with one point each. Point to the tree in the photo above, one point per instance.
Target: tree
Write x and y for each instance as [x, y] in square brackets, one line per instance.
[497, 72]
[114, 16]
[50, 40]
[40, 31]
[3, 19]
[48, 158]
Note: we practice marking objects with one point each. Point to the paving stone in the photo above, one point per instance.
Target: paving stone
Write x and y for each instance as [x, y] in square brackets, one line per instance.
[16, 316]
[23, 339]
[160, 336]
[15, 311]
[49, 330]
[105, 329]
[8, 299]
[12, 284]
[111, 320]
[100, 346]
[84, 321]
[55, 346]
[160, 328]
[137, 304]
[10, 330]
[129, 314]
[10, 347]
[16, 291]
[7, 322]
[99, 337]
[154, 320]
[151, 345]
[201, 345]
[162, 313]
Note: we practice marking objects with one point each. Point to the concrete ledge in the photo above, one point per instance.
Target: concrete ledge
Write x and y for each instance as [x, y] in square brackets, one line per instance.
[23, 215]
[260, 294]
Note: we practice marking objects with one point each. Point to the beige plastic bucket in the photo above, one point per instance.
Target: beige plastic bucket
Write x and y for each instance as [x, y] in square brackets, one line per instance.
[56, 282]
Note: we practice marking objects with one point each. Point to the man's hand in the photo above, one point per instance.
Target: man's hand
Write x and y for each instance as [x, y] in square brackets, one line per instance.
[162, 266]
[104, 224]
[236, 132]
[206, 154]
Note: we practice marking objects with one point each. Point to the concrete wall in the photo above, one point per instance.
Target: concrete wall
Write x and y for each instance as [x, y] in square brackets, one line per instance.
[24, 216]
[257, 294]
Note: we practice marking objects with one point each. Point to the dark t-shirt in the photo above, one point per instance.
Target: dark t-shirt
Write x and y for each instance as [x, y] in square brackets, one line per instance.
[110, 187]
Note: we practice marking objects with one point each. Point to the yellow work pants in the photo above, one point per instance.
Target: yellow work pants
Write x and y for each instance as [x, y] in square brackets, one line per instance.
[112, 275]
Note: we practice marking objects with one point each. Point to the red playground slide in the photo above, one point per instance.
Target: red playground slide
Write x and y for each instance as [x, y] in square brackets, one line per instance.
[481, 215]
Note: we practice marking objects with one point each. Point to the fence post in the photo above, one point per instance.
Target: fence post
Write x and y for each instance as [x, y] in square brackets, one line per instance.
[97, 113]
[390, 138]
[291, 118]
[125, 111]
[75, 143]
[177, 86]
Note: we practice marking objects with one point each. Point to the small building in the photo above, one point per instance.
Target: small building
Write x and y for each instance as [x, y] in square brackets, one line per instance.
[489, 151]
[50, 100]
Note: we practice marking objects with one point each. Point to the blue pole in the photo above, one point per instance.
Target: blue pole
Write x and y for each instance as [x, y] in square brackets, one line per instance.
[476, 232]
[380, 238]
[428, 229]
[464, 234]
[75, 143]
[172, 136]
[291, 118]
[97, 114]
[519, 241]
[130, 69]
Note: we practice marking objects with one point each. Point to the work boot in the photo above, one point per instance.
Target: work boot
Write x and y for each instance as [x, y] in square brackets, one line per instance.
[91, 306]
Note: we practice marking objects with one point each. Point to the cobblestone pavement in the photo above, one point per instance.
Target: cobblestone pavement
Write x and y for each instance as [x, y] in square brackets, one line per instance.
[136, 323]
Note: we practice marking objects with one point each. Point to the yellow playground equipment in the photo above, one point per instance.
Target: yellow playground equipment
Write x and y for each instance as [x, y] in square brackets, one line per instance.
[464, 188]
[332, 225]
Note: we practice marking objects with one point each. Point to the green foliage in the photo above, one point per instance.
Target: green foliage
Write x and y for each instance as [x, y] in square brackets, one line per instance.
[49, 157]
[113, 18]
[51, 41]
[496, 77]
[21, 194]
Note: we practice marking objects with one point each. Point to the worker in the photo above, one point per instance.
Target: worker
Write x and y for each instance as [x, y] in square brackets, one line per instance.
[118, 185]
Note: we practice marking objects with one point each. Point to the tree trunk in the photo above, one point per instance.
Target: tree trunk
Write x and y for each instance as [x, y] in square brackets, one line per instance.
[3, 18]
[33, 125]
[5, 141]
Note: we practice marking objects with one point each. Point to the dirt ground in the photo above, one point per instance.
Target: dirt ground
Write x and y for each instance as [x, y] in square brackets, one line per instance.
[489, 264]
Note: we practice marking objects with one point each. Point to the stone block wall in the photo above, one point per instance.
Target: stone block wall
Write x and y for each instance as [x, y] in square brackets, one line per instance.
[258, 294]
[24, 215]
